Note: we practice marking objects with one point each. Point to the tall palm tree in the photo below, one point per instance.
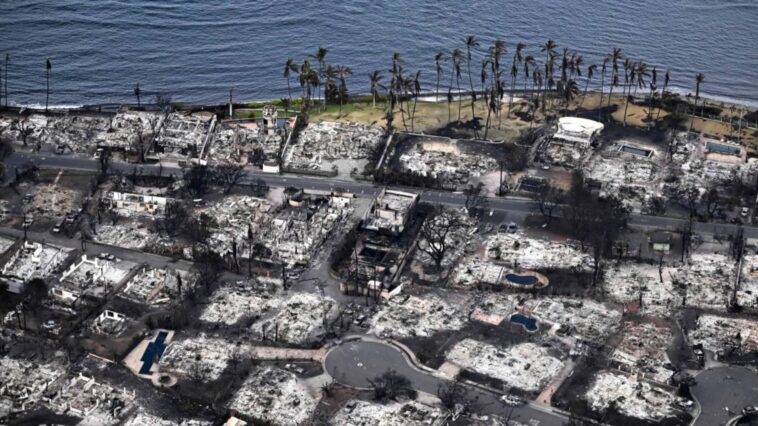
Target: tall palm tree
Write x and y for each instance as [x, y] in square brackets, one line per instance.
[415, 88]
[590, 73]
[630, 76]
[48, 69]
[515, 63]
[471, 43]
[374, 78]
[699, 78]
[458, 59]
[439, 65]
[529, 63]
[496, 52]
[308, 79]
[602, 86]
[570, 92]
[343, 73]
[289, 68]
[666, 80]
[137, 94]
[653, 87]
[320, 57]
[549, 49]
[614, 57]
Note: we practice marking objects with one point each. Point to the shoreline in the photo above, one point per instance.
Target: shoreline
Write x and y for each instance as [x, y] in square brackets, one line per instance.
[714, 100]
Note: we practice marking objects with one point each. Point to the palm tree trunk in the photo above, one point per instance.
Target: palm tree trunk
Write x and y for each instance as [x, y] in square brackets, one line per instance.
[600, 105]
[289, 91]
[413, 113]
[47, 89]
[460, 98]
[471, 83]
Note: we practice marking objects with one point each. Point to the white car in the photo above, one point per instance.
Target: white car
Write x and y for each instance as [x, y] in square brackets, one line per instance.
[511, 400]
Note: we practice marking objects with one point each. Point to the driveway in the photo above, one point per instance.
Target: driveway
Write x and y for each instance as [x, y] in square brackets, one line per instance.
[355, 363]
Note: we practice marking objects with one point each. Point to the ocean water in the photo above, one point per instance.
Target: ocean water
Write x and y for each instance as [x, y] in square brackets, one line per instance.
[196, 51]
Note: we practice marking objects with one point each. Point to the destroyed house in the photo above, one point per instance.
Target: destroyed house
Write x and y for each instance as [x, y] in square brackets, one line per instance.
[183, 132]
[91, 277]
[390, 212]
[577, 131]
[30, 260]
[128, 204]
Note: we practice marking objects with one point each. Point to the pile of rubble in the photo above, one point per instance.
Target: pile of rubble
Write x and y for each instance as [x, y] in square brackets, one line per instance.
[519, 251]
[72, 133]
[183, 132]
[297, 320]
[31, 260]
[275, 396]
[641, 283]
[234, 216]
[157, 286]
[632, 180]
[707, 280]
[23, 383]
[526, 366]
[327, 143]
[421, 316]
[454, 167]
[145, 419]
[200, 358]
[52, 201]
[97, 403]
[494, 308]
[130, 235]
[642, 350]
[583, 318]
[127, 127]
[630, 396]
[108, 323]
[90, 277]
[747, 293]
[412, 413]
[242, 299]
[244, 143]
[725, 335]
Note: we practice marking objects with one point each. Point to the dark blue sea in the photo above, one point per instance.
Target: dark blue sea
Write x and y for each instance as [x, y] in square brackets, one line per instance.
[197, 50]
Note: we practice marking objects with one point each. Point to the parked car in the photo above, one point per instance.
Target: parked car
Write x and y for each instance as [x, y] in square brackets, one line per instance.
[744, 212]
[511, 400]
[750, 409]
[106, 256]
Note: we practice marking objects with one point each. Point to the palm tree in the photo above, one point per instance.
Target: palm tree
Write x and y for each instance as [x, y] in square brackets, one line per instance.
[471, 43]
[529, 62]
[308, 79]
[289, 68]
[320, 57]
[457, 58]
[415, 87]
[439, 65]
[699, 78]
[137, 94]
[570, 92]
[666, 80]
[614, 57]
[653, 87]
[48, 69]
[602, 87]
[343, 73]
[517, 59]
[630, 73]
[549, 49]
[590, 73]
[374, 78]
[496, 52]
[330, 76]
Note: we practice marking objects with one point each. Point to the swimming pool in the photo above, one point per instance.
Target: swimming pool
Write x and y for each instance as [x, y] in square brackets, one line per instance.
[636, 151]
[529, 324]
[521, 279]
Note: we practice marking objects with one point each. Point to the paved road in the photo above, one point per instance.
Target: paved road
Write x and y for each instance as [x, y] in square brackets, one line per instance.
[355, 363]
[719, 388]
[367, 189]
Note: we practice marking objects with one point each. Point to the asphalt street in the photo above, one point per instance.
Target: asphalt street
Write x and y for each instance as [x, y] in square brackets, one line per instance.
[355, 363]
[723, 392]
[360, 188]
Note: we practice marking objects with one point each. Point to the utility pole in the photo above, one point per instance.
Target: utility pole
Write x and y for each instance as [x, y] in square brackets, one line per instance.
[231, 109]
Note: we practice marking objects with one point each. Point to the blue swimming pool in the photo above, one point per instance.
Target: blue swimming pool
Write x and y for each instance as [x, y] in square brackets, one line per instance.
[529, 324]
[521, 279]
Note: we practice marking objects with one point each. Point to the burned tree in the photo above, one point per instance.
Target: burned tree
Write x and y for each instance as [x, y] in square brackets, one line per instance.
[476, 202]
[140, 144]
[227, 175]
[390, 385]
[434, 239]
[546, 201]
[173, 220]
[196, 181]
